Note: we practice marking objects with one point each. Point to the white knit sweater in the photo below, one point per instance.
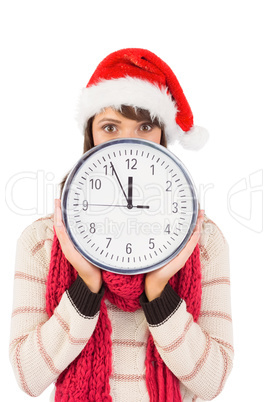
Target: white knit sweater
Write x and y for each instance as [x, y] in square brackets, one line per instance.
[199, 354]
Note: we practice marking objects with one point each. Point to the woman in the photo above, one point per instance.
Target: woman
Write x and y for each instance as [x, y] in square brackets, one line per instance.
[160, 336]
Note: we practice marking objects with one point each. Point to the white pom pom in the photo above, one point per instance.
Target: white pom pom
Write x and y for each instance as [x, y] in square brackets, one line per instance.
[194, 139]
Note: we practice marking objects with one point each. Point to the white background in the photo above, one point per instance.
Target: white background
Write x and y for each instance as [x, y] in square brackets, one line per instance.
[218, 50]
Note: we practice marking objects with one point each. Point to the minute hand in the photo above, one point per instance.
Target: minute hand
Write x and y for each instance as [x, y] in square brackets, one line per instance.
[119, 181]
[129, 200]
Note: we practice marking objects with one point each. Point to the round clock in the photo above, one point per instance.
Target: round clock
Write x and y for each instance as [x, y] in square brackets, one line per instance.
[129, 206]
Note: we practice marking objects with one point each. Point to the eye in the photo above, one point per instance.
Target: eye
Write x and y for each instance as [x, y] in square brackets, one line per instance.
[146, 127]
[109, 128]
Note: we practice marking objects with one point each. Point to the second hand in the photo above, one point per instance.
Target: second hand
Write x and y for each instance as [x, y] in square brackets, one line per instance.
[114, 205]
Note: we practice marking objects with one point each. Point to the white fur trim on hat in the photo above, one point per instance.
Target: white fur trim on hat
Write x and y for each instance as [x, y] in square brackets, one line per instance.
[143, 94]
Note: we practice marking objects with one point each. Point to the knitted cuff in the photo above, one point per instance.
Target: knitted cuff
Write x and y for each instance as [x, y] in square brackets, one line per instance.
[86, 302]
[159, 309]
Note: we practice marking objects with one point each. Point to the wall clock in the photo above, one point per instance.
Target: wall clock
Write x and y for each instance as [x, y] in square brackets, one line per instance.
[129, 205]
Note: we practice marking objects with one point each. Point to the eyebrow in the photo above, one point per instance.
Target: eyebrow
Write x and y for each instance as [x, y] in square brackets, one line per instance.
[108, 119]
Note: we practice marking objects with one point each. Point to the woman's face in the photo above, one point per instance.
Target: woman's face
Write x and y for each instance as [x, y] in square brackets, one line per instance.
[111, 124]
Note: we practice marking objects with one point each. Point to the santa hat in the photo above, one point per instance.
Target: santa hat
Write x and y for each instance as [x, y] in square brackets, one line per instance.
[139, 78]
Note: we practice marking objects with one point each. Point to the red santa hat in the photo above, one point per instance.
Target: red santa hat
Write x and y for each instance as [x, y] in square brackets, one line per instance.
[139, 78]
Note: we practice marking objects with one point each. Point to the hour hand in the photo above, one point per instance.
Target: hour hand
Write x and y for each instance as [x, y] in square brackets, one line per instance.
[130, 188]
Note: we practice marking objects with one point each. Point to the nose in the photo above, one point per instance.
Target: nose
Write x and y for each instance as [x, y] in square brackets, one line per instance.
[128, 133]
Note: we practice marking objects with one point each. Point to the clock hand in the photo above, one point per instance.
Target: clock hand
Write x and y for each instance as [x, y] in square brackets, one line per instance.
[107, 205]
[130, 183]
[129, 198]
[115, 205]
[119, 181]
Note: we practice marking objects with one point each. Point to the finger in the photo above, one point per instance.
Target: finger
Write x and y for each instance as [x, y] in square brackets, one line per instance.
[59, 225]
[57, 213]
[199, 222]
[196, 233]
[72, 255]
[178, 262]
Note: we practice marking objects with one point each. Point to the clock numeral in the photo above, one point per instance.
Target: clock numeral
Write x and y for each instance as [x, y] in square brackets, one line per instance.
[134, 163]
[128, 248]
[95, 183]
[167, 229]
[92, 228]
[106, 169]
[152, 166]
[151, 243]
[108, 238]
[175, 207]
[85, 205]
[169, 185]
[109, 241]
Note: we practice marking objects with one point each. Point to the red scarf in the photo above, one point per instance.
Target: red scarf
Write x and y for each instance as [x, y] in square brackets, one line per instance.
[87, 377]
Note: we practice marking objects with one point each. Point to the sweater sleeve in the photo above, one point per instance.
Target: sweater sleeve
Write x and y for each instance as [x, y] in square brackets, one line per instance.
[199, 354]
[42, 347]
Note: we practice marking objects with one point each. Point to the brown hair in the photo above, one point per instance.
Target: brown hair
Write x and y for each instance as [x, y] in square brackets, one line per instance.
[129, 112]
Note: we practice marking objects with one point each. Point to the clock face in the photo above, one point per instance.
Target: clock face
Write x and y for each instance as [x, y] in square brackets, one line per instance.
[129, 206]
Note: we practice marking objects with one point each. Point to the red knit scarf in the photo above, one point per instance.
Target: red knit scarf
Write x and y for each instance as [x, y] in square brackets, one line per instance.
[87, 377]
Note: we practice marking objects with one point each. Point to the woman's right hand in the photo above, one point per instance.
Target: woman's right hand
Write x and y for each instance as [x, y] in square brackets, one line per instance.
[90, 274]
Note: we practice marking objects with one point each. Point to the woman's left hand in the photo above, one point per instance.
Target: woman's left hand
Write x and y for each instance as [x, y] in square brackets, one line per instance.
[155, 281]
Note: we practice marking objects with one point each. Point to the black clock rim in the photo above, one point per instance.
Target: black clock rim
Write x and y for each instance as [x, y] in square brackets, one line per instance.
[77, 166]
